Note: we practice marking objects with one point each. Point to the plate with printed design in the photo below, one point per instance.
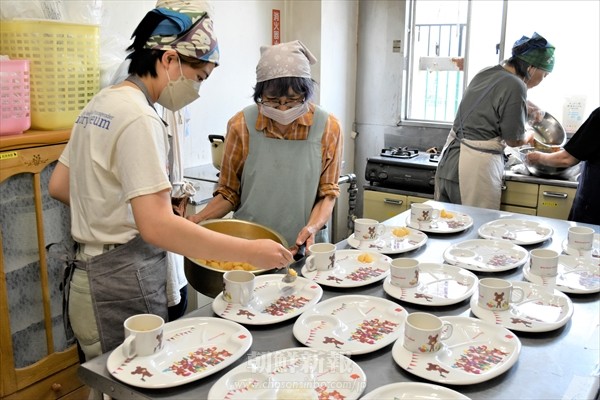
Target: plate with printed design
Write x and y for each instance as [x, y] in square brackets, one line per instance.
[193, 348]
[579, 275]
[352, 268]
[485, 255]
[542, 309]
[295, 373]
[351, 324]
[476, 352]
[394, 240]
[448, 222]
[273, 301]
[518, 231]
[439, 285]
[412, 391]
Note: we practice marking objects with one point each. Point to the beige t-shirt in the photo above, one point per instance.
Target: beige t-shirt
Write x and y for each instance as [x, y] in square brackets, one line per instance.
[118, 150]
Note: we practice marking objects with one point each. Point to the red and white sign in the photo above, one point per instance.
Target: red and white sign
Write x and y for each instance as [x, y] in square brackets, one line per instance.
[276, 27]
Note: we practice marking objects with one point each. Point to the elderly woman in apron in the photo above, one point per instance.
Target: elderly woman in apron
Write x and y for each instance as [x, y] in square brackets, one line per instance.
[282, 154]
[113, 174]
[491, 115]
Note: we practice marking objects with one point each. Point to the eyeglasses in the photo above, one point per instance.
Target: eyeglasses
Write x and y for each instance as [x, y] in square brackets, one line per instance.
[272, 102]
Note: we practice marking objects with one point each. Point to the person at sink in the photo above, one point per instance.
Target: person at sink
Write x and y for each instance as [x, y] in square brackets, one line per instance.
[584, 147]
[282, 155]
[491, 115]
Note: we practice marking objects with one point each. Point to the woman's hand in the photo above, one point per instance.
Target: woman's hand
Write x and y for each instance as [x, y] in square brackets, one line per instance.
[269, 254]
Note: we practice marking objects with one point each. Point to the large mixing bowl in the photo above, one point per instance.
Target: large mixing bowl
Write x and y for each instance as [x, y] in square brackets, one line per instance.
[208, 280]
[548, 132]
[544, 170]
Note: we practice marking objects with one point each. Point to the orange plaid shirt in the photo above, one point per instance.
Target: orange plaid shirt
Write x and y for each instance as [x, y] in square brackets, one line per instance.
[237, 143]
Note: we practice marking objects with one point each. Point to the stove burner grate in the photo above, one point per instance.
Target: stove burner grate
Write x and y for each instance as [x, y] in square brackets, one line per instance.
[399, 152]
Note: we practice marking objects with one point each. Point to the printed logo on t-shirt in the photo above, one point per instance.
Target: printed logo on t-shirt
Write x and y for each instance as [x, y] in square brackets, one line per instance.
[95, 118]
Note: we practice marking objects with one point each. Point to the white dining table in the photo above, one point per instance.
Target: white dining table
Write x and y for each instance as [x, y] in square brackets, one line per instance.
[558, 364]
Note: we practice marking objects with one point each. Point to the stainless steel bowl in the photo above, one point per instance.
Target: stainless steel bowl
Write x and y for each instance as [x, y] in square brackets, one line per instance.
[548, 132]
[208, 280]
[543, 170]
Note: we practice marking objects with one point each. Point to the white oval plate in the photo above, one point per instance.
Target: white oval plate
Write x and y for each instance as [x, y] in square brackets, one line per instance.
[595, 252]
[476, 352]
[292, 373]
[518, 231]
[439, 285]
[193, 348]
[273, 302]
[412, 391]
[349, 272]
[485, 255]
[351, 324]
[575, 275]
[389, 243]
[458, 223]
[542, 309]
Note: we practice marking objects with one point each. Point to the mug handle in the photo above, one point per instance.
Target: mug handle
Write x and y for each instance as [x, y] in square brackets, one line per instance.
[447, 329]
[129, 346]
[435, 214]
[380, 229]
[517, 295]
[310, 265]
[245, 296]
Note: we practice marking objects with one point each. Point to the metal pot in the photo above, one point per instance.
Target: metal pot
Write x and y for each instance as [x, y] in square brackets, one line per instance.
[216, 149]
[544, 170]
[208, 280]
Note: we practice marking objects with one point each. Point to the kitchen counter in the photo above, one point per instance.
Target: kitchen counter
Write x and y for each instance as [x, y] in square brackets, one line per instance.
[560, 364]
[571, 182]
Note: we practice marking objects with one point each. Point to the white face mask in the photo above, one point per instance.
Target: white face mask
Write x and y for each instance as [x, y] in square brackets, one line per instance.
[285, 117]
[179, 93]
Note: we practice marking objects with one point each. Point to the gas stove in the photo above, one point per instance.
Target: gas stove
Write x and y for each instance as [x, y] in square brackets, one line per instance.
[403, 169]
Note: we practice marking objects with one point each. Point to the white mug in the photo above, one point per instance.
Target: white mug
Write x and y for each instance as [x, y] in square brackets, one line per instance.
[143, 335]
[496, 294]
[423, 332]
[238, 287]
[367, 230]
[404, 272]
[420, 212]
[543, 262]
[321, 258]
[580, 238]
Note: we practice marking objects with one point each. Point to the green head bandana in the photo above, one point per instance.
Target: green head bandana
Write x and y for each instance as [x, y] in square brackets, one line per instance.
[536, 51]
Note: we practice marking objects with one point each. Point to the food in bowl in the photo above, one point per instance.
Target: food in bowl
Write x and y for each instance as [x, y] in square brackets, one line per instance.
[227, 265]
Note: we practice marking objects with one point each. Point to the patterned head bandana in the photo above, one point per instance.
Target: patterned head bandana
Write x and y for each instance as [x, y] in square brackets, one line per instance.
[291, 59]
[536, 51]
[186, 28]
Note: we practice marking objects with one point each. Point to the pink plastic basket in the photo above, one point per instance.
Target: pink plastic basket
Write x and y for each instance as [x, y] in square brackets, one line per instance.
[15, 111]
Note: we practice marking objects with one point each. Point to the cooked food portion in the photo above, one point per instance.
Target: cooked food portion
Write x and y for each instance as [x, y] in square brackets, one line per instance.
[292, 272]
[401, 232]
[228, 265]
[446, 214]
[365, 258]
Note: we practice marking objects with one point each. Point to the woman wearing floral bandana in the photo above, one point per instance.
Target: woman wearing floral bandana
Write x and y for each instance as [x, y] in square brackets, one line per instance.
[491, 115]
[282, 154]
[113, 174]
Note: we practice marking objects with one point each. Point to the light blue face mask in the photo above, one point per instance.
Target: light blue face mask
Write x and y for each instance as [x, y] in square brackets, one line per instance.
[179, 93]
[284, 117]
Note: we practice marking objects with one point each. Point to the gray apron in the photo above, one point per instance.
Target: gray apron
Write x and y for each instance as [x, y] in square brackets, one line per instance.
[291, 168]
[130, 279]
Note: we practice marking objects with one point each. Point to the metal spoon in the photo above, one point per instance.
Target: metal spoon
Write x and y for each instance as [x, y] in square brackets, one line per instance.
[298, 255]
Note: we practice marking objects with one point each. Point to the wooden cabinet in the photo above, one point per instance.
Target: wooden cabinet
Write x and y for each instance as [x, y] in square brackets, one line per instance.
[382, 206]
[35, 358]
[520, 197]
[535, 199]
[555, 201]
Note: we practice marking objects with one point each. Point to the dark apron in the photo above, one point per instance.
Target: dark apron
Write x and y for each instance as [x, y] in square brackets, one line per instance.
[130, 279]
[585, 206]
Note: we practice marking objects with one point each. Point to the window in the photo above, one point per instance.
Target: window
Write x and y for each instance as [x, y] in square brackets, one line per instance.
[448, 42]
